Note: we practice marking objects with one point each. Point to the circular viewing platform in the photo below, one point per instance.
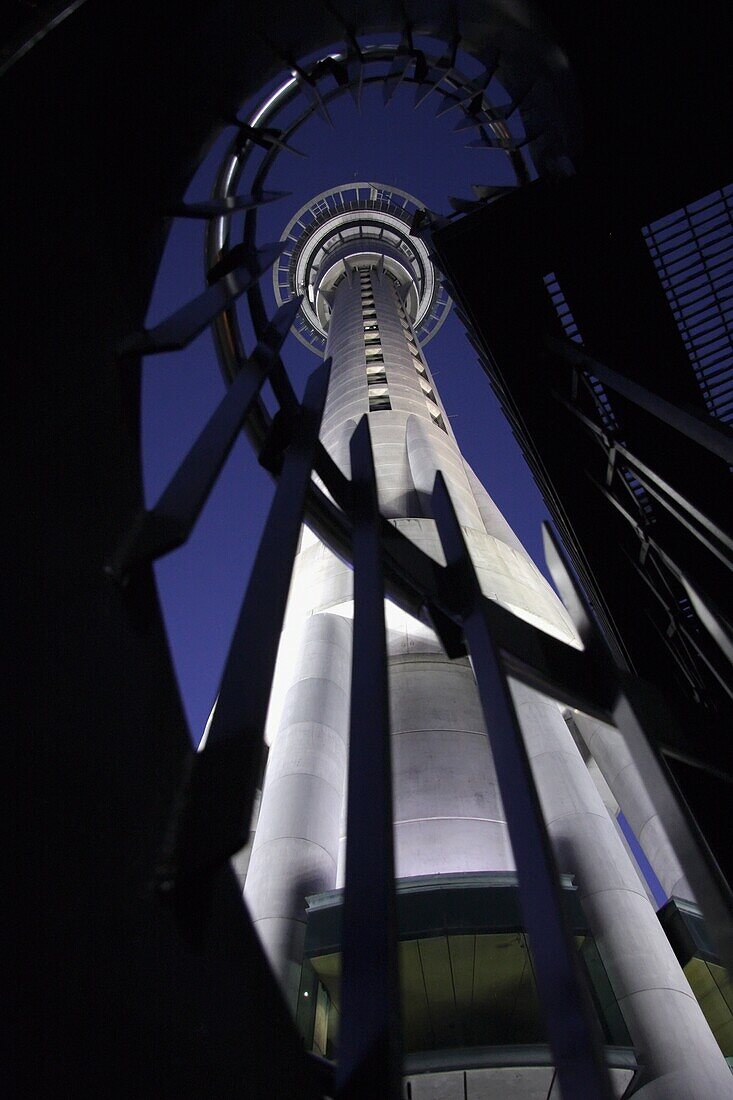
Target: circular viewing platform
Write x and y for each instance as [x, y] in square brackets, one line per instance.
[352, 224]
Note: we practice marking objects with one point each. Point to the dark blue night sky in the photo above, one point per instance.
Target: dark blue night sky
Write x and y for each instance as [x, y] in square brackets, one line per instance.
[201, 584]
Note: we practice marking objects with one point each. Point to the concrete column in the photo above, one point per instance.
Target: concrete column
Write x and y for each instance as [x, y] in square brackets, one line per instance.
[612, 808]
[295, 849]
[448, 812]
[240, 862]
[608, 749]
[679, 1057]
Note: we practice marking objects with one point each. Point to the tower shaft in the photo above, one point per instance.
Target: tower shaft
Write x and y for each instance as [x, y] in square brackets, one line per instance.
[448, 813]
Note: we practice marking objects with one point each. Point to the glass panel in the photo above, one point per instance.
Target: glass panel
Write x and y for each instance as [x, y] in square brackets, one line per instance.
[377, 403]
[466, 991]
[713, 989]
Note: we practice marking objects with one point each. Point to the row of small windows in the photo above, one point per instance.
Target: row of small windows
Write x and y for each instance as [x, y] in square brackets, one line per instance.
[419, 365]
[377, 391]
[366, 285]
[409, 335]
[432, 402]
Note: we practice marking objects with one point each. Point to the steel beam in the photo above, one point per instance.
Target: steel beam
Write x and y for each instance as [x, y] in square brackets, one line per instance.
[178, 330]
[640, 718]
[369, 1060]
[573, 1032]
[212, 819]
[169, 523]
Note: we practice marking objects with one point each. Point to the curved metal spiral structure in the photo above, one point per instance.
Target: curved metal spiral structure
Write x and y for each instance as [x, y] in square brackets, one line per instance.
[350, 70]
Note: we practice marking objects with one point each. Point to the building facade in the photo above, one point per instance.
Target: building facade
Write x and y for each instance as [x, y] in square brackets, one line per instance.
[469, 1009]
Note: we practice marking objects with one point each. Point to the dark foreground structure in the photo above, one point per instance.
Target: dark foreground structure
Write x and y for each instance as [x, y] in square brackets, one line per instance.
[604, 325]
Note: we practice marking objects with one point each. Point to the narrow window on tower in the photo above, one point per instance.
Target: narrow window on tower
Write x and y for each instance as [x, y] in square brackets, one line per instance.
[427, 389]
[376, 375]
[437, 417]
[378, 393]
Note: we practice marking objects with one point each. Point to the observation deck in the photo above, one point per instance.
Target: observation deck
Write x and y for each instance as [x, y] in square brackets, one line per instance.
[357, 222]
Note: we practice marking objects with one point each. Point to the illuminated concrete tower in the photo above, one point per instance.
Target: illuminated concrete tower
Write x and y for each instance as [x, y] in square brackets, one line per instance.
[371, 302]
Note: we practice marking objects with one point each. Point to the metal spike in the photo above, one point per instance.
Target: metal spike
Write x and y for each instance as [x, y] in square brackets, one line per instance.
[432, 79]
[334, 67]
[468, 122]
[447, 103]
[284, 146]
[395, 77]
[498, 112]
[489, 191]
[265, 137]
[484, 143]
[354, 57]
[213, 208]
[355, 71]
[309, 88]
[463, 206]
[282, 321]
[183, 326]
[240, 256]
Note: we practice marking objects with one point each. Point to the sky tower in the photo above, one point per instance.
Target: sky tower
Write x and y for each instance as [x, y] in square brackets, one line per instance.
[371, 301]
